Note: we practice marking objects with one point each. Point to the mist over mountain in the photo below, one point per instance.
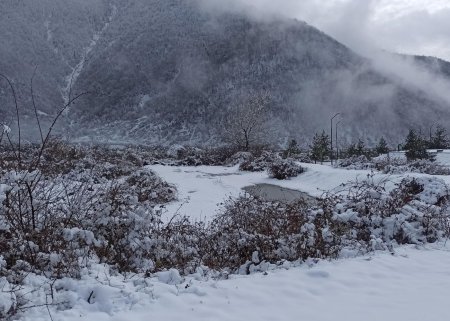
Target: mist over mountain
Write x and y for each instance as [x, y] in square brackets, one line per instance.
[168, 71]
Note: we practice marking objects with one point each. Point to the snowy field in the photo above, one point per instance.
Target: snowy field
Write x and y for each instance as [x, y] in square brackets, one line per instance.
[413, 283]
[202, 190]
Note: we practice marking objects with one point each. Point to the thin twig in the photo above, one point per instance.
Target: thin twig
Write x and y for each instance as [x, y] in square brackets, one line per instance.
[17, 112]
[58, 115]
[48, 308]
[34, 106]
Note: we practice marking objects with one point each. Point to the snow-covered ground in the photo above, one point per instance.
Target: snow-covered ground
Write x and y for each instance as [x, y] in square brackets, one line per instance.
[442, 157]
[202, 190]
[413, 284]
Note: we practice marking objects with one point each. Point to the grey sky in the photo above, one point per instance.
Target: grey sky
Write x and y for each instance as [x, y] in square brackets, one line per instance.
[406, 26]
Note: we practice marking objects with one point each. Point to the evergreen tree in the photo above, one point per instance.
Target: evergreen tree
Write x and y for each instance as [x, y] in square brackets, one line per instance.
[440, 139]
[415, 146]
[292, 149]
[382, 147]
[351, 150]
[320, 147]
[357, 149]
[360, 147]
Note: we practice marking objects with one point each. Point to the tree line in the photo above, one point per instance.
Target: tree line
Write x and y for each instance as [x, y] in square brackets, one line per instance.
[247, 126]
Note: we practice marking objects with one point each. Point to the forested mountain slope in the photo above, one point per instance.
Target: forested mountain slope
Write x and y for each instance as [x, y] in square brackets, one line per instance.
[169, 71]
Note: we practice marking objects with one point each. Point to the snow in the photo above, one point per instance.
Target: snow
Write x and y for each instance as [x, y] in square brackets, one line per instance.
[202, 189]
[170, 277]
[411, 284]
[6, 129]
[76, 71]
[442, 157]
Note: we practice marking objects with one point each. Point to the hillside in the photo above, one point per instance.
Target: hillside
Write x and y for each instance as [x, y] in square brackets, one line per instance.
[51, 37]
[168, 71]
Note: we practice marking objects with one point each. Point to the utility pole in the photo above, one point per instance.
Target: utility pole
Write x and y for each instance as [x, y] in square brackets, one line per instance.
[331, 137]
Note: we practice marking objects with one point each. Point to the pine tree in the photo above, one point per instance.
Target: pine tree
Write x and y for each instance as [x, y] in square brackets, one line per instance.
[382, 147]
[292, 149]
[415, 146]
[440, 139]
[360, 147]
[320, 147]
[356, 149]
[351, 150]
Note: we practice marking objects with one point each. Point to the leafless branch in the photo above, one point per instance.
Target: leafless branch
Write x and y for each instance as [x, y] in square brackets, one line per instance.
[13, 91]
[34, 106]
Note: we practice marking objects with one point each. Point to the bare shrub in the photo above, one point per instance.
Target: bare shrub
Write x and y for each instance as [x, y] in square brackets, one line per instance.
[67, 220]
[275, 231]
[150, 188]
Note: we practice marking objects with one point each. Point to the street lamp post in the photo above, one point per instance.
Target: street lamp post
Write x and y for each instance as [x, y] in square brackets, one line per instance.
[431, 135]
[337, 145]
[331, 153]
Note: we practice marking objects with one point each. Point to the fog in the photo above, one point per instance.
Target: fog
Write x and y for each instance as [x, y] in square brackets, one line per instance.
[405, 26]
[373, 28]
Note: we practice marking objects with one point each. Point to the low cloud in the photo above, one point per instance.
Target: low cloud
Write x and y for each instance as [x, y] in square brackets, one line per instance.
[373, 28]
[405, 26]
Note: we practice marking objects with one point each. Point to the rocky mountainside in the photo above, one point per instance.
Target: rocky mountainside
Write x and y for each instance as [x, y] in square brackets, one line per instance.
[168, 71]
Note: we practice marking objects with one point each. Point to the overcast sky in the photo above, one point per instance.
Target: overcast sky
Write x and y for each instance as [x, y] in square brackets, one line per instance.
[404, 26]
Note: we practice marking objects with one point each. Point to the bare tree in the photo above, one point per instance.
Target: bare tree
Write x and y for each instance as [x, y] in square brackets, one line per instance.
[246, 124]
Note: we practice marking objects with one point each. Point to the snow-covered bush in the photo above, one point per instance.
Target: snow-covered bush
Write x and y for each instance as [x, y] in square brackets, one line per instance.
[284, 169]
[260, 163]
[394, 165]
[274, 230]
[63, 222]
[419, 166]
[303, 157]
[415, 212]
[359, 217]
[194, 156]
[240, 158]
[150, 188]
[356, 162]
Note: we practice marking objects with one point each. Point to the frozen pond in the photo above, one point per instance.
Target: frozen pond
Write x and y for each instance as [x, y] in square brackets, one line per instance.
[273, 193]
